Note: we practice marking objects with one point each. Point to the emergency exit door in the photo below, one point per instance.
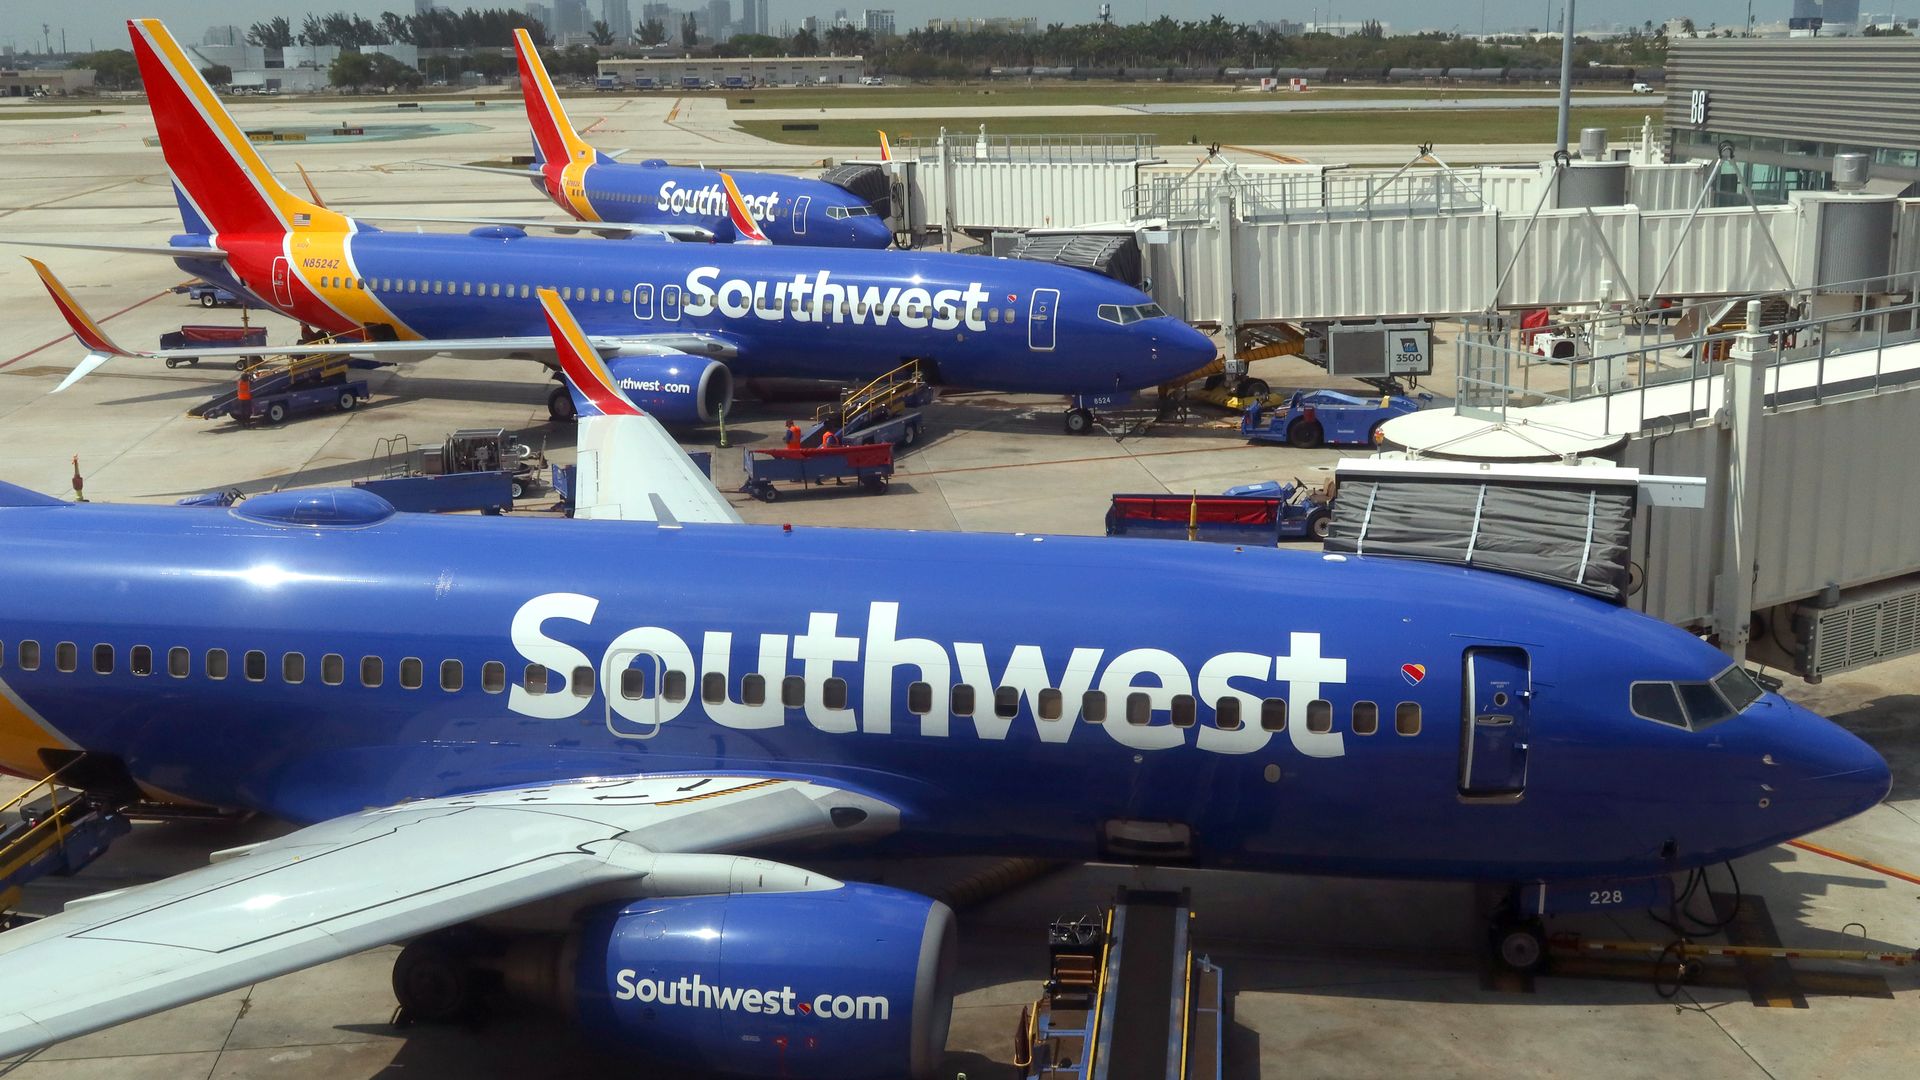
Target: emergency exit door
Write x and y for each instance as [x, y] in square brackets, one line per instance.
[1496, 720]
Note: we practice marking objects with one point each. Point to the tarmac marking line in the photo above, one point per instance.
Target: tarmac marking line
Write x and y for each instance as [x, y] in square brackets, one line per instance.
[63, 337]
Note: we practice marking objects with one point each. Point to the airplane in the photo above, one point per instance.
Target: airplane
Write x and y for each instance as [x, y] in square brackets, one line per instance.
[595, 786]
[596, 187]
[676, 321]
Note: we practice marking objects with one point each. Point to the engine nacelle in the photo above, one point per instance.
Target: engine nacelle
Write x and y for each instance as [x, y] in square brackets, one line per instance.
[675, 389]
[843, 984]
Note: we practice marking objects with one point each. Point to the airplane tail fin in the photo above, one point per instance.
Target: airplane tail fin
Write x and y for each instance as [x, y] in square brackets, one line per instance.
[747, 230]
[886, 148]
[553, 136]
[224, 185]
[595, 393]
[100, 347]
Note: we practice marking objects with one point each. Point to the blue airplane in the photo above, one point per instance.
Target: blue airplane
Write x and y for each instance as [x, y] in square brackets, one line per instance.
[597, 749]
[595, 187]
[677, 321]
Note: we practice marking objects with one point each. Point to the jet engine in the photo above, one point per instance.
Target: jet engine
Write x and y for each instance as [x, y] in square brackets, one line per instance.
[676, 389]
[849, 983]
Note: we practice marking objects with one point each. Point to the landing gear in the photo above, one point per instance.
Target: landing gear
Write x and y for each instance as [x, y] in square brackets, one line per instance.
[433, 981]
[1518, 945]
[1255, 389]
[1079, 421]
[560, 405]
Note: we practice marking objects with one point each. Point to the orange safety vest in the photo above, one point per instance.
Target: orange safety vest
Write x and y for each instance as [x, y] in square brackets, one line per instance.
[793, 436]
[246, 388]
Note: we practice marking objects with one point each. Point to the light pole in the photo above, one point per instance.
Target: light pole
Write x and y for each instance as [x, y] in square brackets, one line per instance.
[1566, 76]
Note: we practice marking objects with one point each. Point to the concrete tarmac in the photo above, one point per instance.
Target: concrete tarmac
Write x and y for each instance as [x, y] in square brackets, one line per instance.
[1328, 977]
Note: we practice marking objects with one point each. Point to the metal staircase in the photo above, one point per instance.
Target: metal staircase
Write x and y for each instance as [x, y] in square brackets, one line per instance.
[51, 829]
[278, 374]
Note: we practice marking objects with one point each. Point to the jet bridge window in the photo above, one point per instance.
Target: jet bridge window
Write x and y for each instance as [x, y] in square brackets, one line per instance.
[452, 676]
[216, 664]
[333, 669]
[293, 668]
[413, 673]
[179, 662]
[1226, 714]
[1273, 714]
[66, 656]
[373, 673]
[103, 659]
[1366, 718]
[254, 666]
[29, 656]
[1406, 718]
[493, 677]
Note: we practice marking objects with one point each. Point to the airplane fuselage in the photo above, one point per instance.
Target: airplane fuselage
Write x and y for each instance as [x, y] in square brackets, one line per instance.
[993, 323]
[791, 210]
[310, 671]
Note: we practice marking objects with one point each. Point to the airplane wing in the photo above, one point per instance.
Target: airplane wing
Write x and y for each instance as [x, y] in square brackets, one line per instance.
[629, 468]
[611, 229]
[206, 251]
[524, 174]
[101, 348]
[379, 876]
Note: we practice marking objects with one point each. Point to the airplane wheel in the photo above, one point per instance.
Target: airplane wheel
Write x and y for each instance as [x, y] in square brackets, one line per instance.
[276, 412]
[1306, 436]
[432, 982]
[1520, 945]
[1079, 421]
[560, 405]
[348, 401]
[1252, 388]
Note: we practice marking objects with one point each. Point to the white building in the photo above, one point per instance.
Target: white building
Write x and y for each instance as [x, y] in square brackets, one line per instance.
[1345, 29]
[296, 69]
[750, 70]
[878, 21]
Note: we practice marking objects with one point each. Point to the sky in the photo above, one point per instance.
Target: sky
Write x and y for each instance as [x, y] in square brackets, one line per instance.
[102, 23]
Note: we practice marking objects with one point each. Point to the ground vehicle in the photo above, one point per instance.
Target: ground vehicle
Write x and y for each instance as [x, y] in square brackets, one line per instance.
[1642, 88]
[1323, 417]
[1264, 513]
[208, 295]
[221, 337]
[871, 465]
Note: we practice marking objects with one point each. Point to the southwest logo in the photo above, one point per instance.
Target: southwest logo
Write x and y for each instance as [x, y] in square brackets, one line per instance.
[1413, 673]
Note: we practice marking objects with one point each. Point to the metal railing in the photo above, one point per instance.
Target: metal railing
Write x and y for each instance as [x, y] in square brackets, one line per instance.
[1308, 195]
[1621, 354]
[1046, 149]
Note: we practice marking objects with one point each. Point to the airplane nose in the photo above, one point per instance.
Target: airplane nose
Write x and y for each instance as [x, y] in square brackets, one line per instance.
[1184, 350]
[872, 232]
[1839, 772]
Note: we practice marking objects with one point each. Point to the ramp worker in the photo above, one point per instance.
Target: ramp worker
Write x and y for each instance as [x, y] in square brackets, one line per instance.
[793, 435]
[830, 437]
[243, 398]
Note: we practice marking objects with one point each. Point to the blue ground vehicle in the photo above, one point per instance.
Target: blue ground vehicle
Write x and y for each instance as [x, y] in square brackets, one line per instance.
[209, 295]
[1327, 417]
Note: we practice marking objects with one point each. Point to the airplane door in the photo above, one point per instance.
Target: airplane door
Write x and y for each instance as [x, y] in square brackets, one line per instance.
[670, 303]
[1040, 319]
[1499, 709]
[632, 690]
[282, 286]
[800, 206]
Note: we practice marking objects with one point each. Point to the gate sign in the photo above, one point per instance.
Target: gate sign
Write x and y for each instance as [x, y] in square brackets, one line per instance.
[1697, 108]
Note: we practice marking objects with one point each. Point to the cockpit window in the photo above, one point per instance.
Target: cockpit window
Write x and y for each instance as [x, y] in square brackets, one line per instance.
[1129, 313]
[1704, 704]
[1659, 702]
[1738, 688]
[838, 212]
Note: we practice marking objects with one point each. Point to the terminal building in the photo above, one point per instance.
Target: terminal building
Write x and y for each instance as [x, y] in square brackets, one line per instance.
[1786, 106]
[32, 83]
[738, 70]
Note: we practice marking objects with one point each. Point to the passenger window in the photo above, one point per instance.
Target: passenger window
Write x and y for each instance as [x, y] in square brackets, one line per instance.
[793, 692]
[253, 664]
[834, 693]
[1366, 718]
[293, 668]
[103, 659]
[962, 699]
[412, 673]
[216, 664]
[633, 684]
[713, 688]
[753, 689]
[466, 288]
[29, 656]
[1050, 704]
[179, 662]
[674, 686]
[1273, 714]
[1006, 702]
[453, 676]
[1226, 714]
[373, 673]
[920, 698]
[1319, 716]
[1657, 701]
[1406, 718]
[582, 681]
[493, 677]
[333, 669]
[1093, 707]
[140, 660]
[1139, 708]
[595, 295]
[66, 656]
[1184, 710]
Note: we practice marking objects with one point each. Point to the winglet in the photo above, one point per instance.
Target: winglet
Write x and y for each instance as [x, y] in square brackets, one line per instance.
[886, 148]
[595, 393]
[746, 229]
[100, 348]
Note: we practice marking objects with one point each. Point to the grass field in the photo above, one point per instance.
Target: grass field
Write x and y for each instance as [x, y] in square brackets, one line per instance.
[1439, 126]
[1114, 93]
